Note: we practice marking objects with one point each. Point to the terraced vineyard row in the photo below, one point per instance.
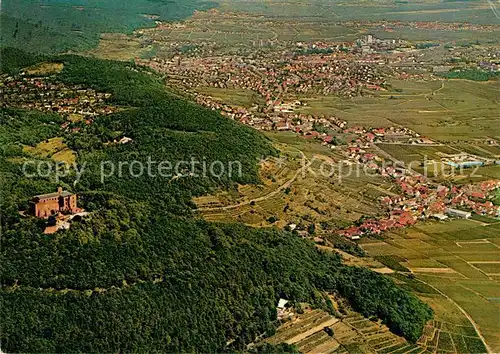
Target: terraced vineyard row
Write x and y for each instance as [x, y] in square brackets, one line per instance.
[444, 337]
[316, 332]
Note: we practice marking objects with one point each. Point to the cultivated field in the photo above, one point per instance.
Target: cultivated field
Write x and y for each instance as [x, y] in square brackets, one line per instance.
[54, 148]
[118, 46]
[430, 10]
[430, 160]
[460, 261]
[446, 111]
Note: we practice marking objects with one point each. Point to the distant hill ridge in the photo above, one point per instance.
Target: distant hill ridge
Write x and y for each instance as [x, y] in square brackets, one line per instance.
[73, 25]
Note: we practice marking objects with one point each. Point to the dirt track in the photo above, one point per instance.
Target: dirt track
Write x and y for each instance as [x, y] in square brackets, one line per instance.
[311, 331]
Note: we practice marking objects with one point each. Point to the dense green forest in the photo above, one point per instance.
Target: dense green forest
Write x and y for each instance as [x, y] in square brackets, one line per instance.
[41, 37]
[61, 26]
[472, 74]
[12, 60]
[142, 272]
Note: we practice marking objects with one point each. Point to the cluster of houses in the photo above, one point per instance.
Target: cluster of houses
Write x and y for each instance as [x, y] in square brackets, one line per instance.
[271, 74]
[419, 201]
[285, 118]
[48, 95]
[476, 198]
[282, 119]
[396, 219]
[431, 201]
[386, 134]
[348, 70]
[313, 67]
[490, 66]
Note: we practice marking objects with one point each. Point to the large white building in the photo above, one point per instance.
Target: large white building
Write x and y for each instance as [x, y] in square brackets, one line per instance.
[458, 213]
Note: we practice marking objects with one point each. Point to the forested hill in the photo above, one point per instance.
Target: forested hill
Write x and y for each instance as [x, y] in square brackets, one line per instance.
[142, 273]
[75, 25]
[163, 128]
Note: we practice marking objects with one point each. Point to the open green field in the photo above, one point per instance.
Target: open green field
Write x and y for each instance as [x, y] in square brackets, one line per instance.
[430, 161]
[459, 258]
[449, 110]
[308, 147]
[492, 149]
[480, 174]
[484, 218]
[464, 230]
[479, 150]
[417, 153]
[489, 268]
[421, 153]
[344, 10]
[54, 148]
[440, 171]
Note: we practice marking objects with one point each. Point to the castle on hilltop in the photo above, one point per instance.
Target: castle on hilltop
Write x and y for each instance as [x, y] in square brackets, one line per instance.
[52, 204]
